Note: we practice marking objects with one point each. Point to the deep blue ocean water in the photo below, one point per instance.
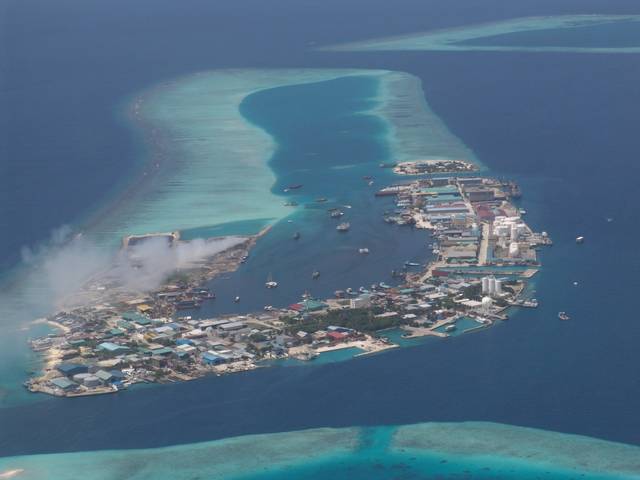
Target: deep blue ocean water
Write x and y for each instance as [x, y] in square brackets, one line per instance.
[563, 125]
[328, 149]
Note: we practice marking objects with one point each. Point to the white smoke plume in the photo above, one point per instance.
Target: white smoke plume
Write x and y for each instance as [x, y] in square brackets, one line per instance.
[61, 267]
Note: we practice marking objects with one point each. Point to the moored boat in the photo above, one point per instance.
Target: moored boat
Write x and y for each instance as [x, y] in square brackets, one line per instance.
[270, 282]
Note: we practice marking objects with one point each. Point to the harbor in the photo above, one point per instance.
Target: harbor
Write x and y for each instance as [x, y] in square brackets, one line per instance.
[480, 255]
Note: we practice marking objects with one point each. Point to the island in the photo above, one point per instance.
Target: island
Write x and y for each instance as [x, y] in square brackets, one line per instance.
[430, 166]
[483, 252]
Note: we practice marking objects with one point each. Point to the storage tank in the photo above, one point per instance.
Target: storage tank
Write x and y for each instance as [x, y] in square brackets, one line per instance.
[485, 284]
[498, 284]
[492, 286]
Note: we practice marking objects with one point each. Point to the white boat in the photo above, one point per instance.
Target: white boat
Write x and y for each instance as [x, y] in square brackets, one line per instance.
[237, 299]
[450, 328]
[270, 283]
[343, 227]
[363, 250]
[579, 239]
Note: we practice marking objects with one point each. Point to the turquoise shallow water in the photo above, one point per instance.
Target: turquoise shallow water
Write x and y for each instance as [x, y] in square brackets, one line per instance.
[621, 34]
[552, 33]
[422, 451]
[561, 116]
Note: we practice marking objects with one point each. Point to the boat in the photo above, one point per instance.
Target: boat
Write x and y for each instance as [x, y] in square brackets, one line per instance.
[336, 213]
[270, 283]
[339, 293]
[296, 236]
[244, 258]
[237, 299]
[522, 211]
[384, 285]
[291, 204]
[295, 186]
[343, 227]
[450, 328]
[268, 308]
[363, 250]
[321, 199]
[579, 239]
[187, 304]
[363, 290]
[563, 316]
[315, 274]
[411, 264]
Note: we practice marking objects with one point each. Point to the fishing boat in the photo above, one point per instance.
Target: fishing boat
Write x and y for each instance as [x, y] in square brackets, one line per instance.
[336, 214]
[270, 283]
[315, 274]
[563, 316]
[343, 227]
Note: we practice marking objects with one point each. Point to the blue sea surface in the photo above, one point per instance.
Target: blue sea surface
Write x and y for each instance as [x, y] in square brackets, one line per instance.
[327, 142]
[562, 125]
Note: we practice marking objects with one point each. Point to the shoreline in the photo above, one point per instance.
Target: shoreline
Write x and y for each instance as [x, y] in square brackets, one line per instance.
[115, 322]
[448, 39]
[465, 445]
[234, 347]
